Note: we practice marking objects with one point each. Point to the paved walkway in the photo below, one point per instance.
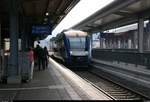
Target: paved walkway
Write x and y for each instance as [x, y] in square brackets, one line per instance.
[46, 85]
[54, 83]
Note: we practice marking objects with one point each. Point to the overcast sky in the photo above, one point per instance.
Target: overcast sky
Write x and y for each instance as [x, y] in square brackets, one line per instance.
[82, 10]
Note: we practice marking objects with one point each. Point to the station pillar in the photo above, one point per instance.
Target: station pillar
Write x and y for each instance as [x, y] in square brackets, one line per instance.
[24, 35]
[13, 70]
[0, 37]
[0, 51]
[28, 36]
[140, 35]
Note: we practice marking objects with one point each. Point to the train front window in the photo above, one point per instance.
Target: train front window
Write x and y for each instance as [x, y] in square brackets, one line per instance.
[77, 43]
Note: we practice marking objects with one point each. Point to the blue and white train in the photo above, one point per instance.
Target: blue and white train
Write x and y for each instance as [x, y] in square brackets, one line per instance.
[73, 48]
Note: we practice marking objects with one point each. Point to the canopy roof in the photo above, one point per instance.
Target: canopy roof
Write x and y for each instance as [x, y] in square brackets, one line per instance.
[34, 11]
[116, 14]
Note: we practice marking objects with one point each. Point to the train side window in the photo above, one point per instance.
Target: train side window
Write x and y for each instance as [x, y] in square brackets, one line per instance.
[86, 49]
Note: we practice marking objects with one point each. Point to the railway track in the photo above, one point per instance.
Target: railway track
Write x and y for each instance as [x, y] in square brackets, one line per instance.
[113, 90]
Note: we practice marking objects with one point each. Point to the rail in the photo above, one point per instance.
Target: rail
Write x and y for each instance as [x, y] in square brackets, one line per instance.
[110, 88]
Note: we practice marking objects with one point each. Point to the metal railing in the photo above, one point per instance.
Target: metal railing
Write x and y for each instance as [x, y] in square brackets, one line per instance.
[126, 56]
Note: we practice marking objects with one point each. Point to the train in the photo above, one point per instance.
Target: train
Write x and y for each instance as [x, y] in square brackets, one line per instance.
[73, 48]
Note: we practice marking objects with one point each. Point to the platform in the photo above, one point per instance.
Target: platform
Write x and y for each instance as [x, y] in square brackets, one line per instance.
[130, 76]
[54, 83]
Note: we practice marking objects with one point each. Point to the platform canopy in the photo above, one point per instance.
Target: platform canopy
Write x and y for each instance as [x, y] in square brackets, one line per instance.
[116, 14]
[36, 12]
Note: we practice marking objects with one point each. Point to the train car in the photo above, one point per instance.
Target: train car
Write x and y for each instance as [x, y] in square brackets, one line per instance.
[73, 48]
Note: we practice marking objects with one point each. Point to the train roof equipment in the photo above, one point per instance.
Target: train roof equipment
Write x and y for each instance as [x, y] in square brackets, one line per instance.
[75, 33]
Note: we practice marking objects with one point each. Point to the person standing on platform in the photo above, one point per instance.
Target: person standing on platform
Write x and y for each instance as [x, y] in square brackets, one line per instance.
[35, 57]
[46, 55]
[40, 58]
[35, 50]
[31, 60]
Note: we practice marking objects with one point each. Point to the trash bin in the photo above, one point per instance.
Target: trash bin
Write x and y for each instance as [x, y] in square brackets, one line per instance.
[24, 65]
[1, 64]
[4, 67]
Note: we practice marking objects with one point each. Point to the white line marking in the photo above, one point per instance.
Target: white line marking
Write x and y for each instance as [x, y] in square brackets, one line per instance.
[68, 88]
[90, 90]
[34, 88]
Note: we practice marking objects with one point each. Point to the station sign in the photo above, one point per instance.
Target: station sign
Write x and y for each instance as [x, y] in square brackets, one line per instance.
[41, 29]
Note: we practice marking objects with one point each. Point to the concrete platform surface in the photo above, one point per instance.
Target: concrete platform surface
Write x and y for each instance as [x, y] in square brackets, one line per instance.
[50, 84]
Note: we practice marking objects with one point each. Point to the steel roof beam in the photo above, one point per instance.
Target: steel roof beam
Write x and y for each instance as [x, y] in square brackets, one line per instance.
[124, 21]
[122, 13]
[112, 8]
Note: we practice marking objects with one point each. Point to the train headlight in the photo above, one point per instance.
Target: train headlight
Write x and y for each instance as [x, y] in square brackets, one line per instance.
[86, 52]
[70, 52]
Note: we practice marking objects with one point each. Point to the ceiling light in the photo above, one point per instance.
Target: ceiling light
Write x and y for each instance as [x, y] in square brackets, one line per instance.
[47, 13]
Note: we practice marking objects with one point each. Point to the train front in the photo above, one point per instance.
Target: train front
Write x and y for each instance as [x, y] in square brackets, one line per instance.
[78, 45]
